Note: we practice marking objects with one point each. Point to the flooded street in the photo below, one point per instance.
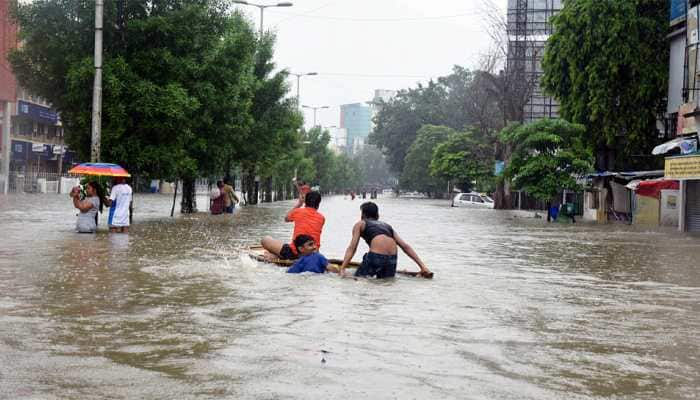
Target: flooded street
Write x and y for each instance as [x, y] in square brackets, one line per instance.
[518, 309]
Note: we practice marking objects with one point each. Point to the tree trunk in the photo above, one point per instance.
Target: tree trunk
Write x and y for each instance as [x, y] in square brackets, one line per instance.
[268, 190]
[256, 191]
[502, 200]
[189, 196]
[251, 188]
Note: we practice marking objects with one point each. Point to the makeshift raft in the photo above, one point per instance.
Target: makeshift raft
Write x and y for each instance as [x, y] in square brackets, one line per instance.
[257, 253]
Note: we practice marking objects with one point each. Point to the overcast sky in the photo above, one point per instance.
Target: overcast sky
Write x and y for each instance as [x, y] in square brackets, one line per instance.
[357, 46]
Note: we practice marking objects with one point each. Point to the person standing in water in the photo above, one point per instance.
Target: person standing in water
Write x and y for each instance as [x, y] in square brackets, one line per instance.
[231, 199]
[383, 241]
[88, 207]
[120, 205]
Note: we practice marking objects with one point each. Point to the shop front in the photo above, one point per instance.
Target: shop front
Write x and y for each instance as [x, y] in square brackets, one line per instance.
[686, 169]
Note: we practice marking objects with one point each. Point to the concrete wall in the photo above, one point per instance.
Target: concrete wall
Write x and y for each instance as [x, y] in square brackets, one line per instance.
[676, 72]
[670, 208]
[8, 41]
[647, 212]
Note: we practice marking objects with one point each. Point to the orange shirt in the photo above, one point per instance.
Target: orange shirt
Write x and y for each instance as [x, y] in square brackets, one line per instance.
[307, 221]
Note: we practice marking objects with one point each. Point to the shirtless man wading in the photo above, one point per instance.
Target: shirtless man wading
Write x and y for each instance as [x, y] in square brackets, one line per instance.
[383, 241]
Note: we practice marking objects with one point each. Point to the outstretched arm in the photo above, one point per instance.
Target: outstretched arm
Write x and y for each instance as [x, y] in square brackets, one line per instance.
[411, 253]
[300, 202]
[352, 247]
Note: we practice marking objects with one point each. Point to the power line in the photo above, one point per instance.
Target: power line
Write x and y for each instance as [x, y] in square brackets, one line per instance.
[383, 19]
[305, 13]
[360, 75]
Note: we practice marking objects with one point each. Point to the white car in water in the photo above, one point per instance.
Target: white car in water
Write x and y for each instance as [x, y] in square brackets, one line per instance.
[473, 200]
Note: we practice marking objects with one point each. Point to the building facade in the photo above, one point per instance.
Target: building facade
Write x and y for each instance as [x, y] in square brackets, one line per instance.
[356, 119]
[683, 110]
[528, 28]
[339, 139]
[32, 150]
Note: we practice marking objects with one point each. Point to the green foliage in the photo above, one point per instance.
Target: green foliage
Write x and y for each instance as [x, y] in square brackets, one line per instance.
[374, 170]
[547, 156]
[176, 79]
[463, 98]
[462, 159]
[416, 173]
[607, 63]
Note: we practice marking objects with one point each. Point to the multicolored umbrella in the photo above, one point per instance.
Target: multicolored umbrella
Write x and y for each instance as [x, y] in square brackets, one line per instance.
[99, 169]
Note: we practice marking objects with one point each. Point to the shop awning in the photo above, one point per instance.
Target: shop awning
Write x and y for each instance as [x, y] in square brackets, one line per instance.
[686, 144]
[653, 188]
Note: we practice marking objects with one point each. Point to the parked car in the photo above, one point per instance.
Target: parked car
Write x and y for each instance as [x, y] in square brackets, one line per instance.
[475, 200]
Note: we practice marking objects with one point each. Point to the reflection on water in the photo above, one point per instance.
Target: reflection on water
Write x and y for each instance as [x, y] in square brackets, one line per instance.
[518, 309]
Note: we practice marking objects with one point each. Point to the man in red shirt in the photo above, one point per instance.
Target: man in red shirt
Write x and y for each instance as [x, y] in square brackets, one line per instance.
[307, 221]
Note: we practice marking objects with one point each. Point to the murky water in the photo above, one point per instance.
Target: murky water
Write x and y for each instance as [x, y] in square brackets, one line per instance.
[518, 309]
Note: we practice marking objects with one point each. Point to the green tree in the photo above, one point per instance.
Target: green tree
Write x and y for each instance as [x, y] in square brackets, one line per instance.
[547, 156]
[459, 100]
[276, 121]
[374, 170]
[607, 63]
[177, 81]
[462, 160]
[416, 173]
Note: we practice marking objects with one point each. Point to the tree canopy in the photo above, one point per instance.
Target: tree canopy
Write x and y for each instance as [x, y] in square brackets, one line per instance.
[463, 160]
[459, 100]
[547, 156]
[607, 63]
[416, 173]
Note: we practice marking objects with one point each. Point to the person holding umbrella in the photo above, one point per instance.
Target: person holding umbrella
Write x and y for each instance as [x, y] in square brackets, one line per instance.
[120, 198]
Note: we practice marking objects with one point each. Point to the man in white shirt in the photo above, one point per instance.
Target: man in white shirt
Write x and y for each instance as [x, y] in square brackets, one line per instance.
[120, 203]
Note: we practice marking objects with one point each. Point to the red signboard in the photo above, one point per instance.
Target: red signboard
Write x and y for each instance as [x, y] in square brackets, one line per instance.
[8, 41]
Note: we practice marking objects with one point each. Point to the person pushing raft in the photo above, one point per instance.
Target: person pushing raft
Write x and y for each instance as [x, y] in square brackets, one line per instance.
[383, 241]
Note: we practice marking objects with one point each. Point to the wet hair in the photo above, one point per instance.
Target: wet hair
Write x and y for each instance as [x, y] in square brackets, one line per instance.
[369, 210]
[313, 199]
[219, 184]
[302, 240]
[99, 192]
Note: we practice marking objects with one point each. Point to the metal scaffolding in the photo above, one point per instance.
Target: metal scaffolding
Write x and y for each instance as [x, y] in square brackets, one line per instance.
[528, 28]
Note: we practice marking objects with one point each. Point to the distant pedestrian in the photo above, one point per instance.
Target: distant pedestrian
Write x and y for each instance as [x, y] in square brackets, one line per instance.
[88, 207]
[217, 199]
[120, 203]
[230, 198]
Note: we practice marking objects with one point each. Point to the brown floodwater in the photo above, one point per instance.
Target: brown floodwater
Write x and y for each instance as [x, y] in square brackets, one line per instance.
[518, 309]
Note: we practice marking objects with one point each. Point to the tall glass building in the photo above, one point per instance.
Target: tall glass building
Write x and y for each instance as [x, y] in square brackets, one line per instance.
[356, 119]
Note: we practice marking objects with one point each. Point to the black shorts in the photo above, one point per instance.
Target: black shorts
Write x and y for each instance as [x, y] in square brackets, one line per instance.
[286, 252]
[379, 265]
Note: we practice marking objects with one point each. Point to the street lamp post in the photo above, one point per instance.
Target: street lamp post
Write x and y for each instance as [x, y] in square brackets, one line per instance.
[315, 109]
[299, 79]
[262, 8]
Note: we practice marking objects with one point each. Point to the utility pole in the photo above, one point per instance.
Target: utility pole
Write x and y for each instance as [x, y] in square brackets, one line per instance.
[97, 86]
[6, 118]
[298, 82]
[262, 8]
[315, 109]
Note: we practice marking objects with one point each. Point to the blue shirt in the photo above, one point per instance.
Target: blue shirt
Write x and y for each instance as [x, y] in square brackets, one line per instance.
[314, 262]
